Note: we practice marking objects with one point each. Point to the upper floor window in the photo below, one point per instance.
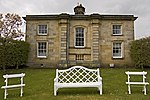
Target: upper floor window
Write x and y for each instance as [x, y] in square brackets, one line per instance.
[79, 37]
[117, 50]
[117, 30]
[42, 29]
[42, 49]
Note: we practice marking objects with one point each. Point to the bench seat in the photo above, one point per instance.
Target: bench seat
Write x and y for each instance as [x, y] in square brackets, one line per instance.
[12, 86]
[138, 83]
[63, 85]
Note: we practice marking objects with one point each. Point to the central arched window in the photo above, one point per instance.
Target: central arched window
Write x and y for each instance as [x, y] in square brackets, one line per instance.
[79, 37]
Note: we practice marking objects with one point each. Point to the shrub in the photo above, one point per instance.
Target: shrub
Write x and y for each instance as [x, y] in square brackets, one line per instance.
[14, 54]
[140, 52]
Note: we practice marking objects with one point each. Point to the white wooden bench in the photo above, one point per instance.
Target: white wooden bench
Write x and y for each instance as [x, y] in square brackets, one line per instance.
[143, 82]
[77, 76]
[7, 86]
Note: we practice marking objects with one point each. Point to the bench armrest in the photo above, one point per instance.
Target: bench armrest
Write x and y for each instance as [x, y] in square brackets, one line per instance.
[55, 79]
[99, 78]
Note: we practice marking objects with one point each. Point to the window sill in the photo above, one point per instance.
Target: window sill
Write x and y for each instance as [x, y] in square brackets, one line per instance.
[42, 34]
[42, 57]
[118, 58]
[116, 34]
[78, 47]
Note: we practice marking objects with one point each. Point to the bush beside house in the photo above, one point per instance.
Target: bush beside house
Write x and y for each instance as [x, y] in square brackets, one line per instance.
[14, 54]
[140, 52]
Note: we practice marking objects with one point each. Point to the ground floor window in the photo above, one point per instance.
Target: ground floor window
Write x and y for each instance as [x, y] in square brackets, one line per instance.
[117, 50]
[42, 49]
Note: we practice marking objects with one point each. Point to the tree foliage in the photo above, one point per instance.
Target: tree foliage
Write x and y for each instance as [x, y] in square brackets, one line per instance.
[14, 54]
[140, 52]
[10, 26]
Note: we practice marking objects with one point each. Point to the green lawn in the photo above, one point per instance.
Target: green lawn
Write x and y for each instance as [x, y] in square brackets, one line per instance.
[39, 86]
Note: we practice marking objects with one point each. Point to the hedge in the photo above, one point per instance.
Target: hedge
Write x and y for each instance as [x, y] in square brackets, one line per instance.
[14, 54]
[140, 52]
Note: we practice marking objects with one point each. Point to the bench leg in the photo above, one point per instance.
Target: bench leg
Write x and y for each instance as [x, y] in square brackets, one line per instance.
[100, 89]
[129, 89]
[144, 88]
[21, 91]
[5, 94]
[55, 90]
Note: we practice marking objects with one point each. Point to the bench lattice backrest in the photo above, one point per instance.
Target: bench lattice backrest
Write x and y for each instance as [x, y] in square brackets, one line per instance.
[78, 74]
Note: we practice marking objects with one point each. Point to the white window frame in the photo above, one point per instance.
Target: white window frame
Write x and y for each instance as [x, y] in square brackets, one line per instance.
[39, 56]
[122, 49]
[76, 38]
[43, 29]
[117, 29]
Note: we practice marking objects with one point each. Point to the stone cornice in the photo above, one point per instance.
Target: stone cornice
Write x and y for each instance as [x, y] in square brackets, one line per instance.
[79, 17]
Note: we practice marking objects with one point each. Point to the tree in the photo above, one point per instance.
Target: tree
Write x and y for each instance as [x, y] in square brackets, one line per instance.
[9, 29]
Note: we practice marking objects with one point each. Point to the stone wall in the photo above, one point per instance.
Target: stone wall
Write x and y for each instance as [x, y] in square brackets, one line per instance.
[52, 39]
[106, 40]
[98, 41]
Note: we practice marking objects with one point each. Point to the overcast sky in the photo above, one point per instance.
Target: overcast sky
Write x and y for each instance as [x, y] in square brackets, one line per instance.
[139, 8]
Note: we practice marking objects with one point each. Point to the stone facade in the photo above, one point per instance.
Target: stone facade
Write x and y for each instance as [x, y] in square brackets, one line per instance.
[61, 38]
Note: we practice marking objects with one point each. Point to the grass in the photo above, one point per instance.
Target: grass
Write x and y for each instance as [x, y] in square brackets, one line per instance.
[39, 86]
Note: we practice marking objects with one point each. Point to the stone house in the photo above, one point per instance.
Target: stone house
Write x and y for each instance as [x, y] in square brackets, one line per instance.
[79, 39]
